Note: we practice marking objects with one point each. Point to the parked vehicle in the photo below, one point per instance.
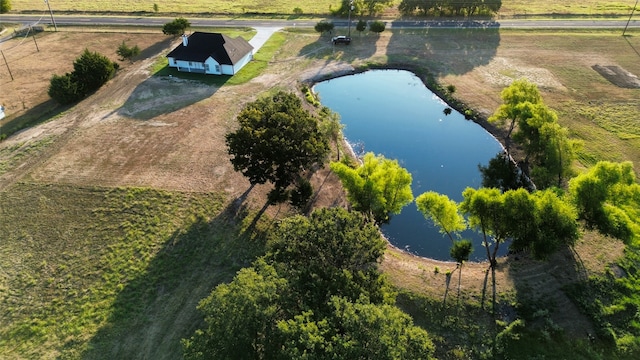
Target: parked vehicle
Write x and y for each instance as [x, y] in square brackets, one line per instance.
[341, 39]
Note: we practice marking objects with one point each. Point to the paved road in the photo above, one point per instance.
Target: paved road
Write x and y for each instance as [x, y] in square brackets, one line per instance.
[159, 21]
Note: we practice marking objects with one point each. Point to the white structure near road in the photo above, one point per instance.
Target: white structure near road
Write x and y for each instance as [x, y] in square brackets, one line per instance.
[211, 53]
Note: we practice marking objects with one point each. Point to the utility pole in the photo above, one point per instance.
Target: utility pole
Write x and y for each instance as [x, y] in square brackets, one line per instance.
[6, 63]
[350, 8]
[51, 13]
[628, 21]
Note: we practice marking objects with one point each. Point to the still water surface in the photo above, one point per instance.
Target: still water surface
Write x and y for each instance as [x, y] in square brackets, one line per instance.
[391, 112]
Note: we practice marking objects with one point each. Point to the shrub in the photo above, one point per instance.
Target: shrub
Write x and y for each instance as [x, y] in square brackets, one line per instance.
[90, 72]
[63, 89]
[126, 52]
[297, 11]
[377, 26]
[324, 26]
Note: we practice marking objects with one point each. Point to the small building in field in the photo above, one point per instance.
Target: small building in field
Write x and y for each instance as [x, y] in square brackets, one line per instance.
[211, 53]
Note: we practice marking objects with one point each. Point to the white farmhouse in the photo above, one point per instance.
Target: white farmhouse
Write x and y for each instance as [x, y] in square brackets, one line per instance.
[211, 53]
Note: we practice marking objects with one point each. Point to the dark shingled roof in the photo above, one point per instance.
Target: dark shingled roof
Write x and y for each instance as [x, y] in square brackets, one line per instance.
[221, 48]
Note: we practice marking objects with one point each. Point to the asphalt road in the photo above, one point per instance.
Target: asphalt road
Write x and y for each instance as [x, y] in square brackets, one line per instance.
[204, 22]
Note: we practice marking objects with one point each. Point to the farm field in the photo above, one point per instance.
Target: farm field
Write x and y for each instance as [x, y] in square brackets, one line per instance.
[118, 214]
[320, 7]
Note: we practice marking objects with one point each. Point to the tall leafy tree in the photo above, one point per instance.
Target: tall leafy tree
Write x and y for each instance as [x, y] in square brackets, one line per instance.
[517, 100]
[534, 126]
[378, 188]
[308, 299]
[241, 317]
[332, 253]
[443, 212]
[276, 140]
[607, 197]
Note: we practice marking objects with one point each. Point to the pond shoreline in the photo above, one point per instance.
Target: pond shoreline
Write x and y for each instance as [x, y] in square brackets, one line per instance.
[344, 70]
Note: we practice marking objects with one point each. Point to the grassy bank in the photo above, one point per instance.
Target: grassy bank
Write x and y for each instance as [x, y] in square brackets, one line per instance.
[104, 274]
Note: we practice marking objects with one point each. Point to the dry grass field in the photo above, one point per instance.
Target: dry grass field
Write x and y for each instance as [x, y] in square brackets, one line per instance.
[167, 134]
[509, 7]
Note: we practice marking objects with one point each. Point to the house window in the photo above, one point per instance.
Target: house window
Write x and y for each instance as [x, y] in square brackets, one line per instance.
[206, 67]
[217, 68]
[191, 64]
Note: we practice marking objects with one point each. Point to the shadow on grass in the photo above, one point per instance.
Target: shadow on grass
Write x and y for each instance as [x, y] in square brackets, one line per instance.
[154, 311]
[169, 90]
[446, 51]
[36, 115]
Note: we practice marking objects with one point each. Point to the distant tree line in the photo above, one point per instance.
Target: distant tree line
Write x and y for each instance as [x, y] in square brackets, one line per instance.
[449, 7]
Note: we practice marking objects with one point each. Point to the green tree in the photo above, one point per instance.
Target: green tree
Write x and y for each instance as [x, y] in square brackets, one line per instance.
[176, 27]
[332, 127]
[92, 70]
[516, 101]
[377, 26]
[5, 6]
[155, 7]
[276, 140]
[460, 252]
[241, 317]
[607, 197]
[378, 188]
[127, 52]
[317, 294]
[324, 26]
[361, 26]
[333, 252]
[503, 174]
[63, 89]
[443, 212]
[485, 209]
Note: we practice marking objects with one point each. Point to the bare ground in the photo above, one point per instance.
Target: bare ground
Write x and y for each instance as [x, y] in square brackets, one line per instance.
[168, 133]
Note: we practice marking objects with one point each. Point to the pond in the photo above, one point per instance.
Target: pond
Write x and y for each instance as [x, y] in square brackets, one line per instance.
[391, 112]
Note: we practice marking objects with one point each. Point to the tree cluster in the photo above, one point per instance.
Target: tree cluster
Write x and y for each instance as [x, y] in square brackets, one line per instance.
[316, 294]
[90, 71]
[176, 27]
[449, 7]
[277, 139]
[362, 7]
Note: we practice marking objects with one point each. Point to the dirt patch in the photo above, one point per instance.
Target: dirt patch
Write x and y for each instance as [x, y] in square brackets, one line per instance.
[618, 76]
[502, 72]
